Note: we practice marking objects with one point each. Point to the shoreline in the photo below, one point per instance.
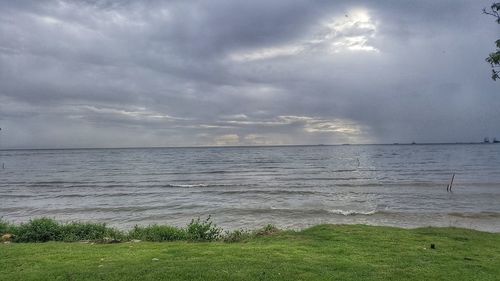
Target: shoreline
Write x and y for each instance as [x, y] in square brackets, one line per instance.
[200, 229]
[485, 221]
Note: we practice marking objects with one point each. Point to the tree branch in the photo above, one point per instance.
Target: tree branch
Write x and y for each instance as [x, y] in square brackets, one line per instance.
[494, 58]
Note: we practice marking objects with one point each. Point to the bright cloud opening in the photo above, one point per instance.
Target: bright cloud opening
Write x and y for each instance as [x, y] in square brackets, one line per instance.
[352, 32]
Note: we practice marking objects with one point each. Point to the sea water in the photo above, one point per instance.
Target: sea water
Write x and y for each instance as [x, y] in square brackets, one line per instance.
[248, 187]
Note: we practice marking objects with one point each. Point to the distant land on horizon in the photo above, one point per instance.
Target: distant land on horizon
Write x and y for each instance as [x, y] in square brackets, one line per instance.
[250, 146]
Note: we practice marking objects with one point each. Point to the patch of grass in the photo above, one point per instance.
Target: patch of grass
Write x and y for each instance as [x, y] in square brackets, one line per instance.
[237, 235]
[157, 233]
[76, 231]
[267, 230]
[5, 227]
[324, 252]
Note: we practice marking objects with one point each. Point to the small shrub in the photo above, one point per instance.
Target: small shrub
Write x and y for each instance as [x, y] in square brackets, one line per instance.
[38, 230]
[77, 231]
[45, 229]
[237, 235]
[267, 230]
[157, 233]
[5, 227]
[115, 234]
[206, 230]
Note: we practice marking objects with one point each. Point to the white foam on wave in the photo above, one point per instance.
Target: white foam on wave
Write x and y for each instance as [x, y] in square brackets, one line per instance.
[351, 212]
[188, 185]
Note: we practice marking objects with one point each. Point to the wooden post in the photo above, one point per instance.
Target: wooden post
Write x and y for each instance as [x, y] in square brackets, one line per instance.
[451, 183]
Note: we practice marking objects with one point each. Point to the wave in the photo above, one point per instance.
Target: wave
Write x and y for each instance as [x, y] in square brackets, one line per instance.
[18, 195]
[268, 192]
[352, 212]
[188, 185]
[295, 211]
[301, 179]
[475, 215]
[202, 185]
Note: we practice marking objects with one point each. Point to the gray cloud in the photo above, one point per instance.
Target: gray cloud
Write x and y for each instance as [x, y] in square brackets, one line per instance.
[168, 73]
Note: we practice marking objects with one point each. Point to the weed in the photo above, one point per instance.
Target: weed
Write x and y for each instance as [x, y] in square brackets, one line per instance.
[38, 230]
[237, 235]
[157, 233]
[77, 231]
[203, 230]
[267, 230]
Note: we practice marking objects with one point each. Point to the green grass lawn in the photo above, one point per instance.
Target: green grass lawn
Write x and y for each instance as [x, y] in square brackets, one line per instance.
[324, 252]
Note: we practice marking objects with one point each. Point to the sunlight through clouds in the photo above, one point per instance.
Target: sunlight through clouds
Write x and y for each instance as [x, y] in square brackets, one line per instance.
[352, 31]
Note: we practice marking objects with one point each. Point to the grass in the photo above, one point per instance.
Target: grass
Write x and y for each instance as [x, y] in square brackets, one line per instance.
[324, 252]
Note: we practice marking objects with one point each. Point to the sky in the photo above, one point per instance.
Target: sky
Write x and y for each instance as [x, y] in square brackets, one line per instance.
[238, 72]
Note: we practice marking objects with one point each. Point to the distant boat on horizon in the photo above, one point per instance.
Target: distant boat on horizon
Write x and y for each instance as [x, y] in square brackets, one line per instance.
[487, 140]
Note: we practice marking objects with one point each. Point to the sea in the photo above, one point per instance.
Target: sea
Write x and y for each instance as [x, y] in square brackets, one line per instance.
[248, 187]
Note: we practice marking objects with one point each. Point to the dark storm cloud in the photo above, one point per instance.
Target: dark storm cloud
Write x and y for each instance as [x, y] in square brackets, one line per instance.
[140, 73]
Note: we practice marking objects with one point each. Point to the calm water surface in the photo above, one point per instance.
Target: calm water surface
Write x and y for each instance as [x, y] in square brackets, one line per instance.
[298, 186]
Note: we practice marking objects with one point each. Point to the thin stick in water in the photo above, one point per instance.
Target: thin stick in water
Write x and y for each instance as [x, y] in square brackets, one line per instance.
[451, 183]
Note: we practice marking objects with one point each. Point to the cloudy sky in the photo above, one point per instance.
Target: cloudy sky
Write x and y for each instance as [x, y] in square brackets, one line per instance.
[239, 72]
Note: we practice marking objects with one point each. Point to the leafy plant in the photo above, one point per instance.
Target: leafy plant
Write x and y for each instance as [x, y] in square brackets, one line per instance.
[77, 231]
[157, 233]
[237, 235]
[38, 230]
[6, 227]
[494, 58]
[203, 230]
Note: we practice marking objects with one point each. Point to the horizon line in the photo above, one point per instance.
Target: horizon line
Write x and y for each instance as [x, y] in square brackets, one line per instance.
[241, 146]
